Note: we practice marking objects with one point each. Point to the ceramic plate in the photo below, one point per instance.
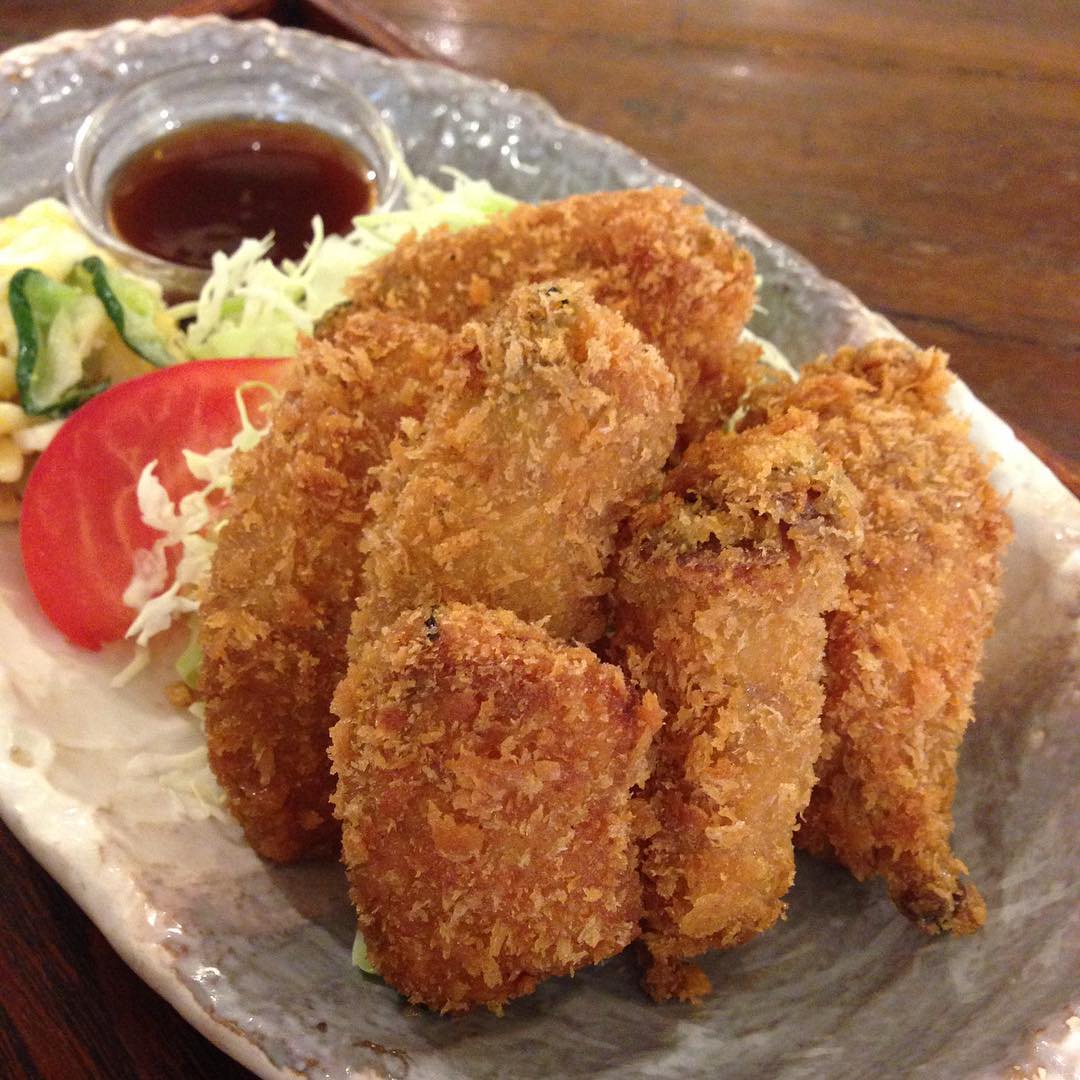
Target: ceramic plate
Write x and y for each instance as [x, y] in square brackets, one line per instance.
[103, 785]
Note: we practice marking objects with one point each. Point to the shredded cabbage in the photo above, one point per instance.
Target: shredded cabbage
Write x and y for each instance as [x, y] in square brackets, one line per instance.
[360, 955]
[190, 526]
[189, 776]
[771, 356]
[250, 307]
[189, 661]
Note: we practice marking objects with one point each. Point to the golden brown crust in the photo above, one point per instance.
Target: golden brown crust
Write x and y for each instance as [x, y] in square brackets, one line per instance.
[671, 978]
[684, 284]
[904, 650]
[484, 775]
[285, 574]
[721, 590]
[553, 421]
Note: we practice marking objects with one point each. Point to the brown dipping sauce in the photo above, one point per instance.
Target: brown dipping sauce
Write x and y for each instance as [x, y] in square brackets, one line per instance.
[207, 186]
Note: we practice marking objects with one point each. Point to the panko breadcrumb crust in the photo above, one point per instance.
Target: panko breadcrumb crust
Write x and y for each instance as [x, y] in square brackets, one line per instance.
[904, 647]
[686, 285]
[722, 587]
[553, 421]
[484, 778]
[284, 579]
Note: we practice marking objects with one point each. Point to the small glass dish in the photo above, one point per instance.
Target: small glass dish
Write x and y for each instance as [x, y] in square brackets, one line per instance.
[270, 89]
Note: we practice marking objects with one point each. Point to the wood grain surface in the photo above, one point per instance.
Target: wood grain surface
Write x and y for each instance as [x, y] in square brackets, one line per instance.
[926, 153]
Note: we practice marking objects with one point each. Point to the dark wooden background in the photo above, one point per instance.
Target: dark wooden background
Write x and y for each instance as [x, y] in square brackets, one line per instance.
[925, 152]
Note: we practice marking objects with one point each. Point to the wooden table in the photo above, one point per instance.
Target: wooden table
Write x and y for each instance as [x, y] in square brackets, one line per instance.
[925, 153]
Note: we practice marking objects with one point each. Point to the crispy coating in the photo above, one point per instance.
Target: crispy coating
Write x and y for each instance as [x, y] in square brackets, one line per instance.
[904, 650]
[484, 776]
[711, 406]
[721, 591]
[684, 284]
[554, 420]
[286, 571]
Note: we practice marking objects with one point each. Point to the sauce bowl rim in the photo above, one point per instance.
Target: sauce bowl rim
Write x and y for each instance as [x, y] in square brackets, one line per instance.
[173, 88]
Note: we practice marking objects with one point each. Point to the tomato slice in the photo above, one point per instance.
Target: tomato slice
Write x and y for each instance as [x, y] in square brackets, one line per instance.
[80, 523]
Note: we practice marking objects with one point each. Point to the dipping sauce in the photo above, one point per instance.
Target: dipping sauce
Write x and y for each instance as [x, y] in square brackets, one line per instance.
[207, 186]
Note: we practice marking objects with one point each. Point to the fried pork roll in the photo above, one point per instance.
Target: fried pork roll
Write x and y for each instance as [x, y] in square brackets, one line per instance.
[904, 649]
[554, 420]
[484, 786]
[721, 593]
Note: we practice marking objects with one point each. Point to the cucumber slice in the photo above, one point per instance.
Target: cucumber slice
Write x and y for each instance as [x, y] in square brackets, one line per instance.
[136, 310]
[58, 326]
